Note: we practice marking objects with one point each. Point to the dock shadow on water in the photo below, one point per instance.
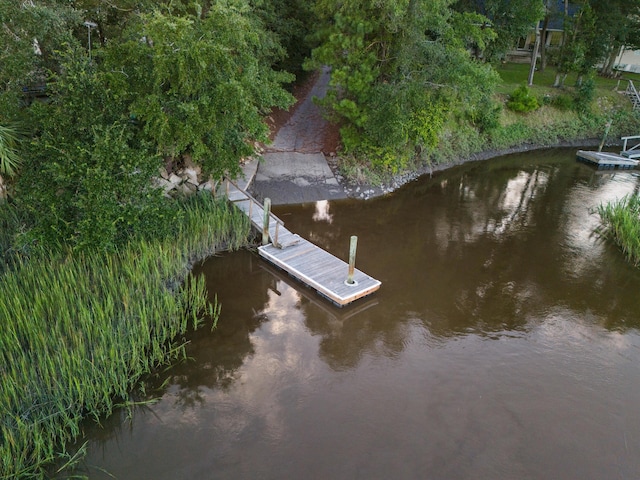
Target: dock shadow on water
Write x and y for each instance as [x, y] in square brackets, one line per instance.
[503, 344]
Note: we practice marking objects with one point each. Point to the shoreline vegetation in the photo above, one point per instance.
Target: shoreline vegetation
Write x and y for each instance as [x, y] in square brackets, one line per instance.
[82, 329]
[563, 118]
[621, 224]
[86, 305]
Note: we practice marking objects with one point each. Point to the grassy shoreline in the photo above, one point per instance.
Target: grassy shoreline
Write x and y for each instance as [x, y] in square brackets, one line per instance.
[621, 223]
[78, 331]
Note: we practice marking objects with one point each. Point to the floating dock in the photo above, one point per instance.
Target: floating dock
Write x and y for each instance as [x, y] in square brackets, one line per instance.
[303, 260]
[606, 160]
[338, 316]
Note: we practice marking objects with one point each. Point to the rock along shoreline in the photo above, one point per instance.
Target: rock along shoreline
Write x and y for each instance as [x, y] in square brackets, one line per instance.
[366, 191]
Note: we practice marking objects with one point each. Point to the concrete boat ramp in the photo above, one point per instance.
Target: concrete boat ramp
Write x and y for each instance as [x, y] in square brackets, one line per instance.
[306, 262]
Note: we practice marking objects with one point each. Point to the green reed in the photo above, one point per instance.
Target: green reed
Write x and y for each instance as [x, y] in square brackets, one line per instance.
[77, 331]
[621, 223]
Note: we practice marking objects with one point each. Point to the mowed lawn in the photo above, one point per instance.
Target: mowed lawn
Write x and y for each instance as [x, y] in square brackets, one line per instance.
[515, 74]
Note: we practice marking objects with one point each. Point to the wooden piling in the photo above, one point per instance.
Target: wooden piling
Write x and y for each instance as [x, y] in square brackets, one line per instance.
[604, 137]
[301, 259]
[265, 223]
[352, 258]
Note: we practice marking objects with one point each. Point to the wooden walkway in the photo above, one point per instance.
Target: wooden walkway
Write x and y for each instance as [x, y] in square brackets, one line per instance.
[302, 259]
[338, 316]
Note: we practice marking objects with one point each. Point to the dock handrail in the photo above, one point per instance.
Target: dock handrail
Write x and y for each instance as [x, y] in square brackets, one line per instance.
[633, 94]
[252, 200]
[624, 145]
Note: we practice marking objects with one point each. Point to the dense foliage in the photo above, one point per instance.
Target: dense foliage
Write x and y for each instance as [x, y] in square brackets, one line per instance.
[398, 70]
[166, 79]
[410, 79]
[160, 82]
[510, 20]
[87, 170]
[198, 84]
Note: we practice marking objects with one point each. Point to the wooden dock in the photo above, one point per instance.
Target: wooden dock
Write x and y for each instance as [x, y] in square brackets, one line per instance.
[303, 260]
[605, 160]
[337, 316]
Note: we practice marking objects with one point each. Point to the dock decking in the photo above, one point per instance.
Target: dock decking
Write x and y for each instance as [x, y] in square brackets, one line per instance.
[301, 259]
[604, 160]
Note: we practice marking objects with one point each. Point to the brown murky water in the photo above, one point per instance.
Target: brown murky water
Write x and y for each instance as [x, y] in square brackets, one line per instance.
[504, 344]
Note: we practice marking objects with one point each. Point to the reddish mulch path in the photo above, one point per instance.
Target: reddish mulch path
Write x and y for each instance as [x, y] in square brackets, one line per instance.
[278, 117]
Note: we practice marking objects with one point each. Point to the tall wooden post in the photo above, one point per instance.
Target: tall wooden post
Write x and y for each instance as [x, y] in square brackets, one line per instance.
[606, 132]
[352, 258]
[265, 222]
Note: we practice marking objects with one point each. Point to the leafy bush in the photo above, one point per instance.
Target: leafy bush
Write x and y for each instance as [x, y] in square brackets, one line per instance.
[584, 95]
[562, 102]
[521, 100]
[486, 116]
[86, 176]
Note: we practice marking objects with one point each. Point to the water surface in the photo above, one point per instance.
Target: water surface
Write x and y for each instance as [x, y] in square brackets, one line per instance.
[503, 344]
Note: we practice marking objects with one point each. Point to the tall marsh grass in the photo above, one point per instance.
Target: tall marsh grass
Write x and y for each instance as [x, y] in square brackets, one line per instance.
[77, 331]
[621, 223]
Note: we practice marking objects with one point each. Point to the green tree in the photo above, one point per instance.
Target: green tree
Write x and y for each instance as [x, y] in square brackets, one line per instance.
[86, 179]
[570, 56]
[553, 11]
[199, 83]
[509, 19]
[30, 33]
[398, 71]
[291, 21]
[587, 42]
[617, 25]
[185, 80]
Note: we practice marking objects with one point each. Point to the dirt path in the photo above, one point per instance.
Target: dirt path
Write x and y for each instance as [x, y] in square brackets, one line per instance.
[305, 130]
[294, 168]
